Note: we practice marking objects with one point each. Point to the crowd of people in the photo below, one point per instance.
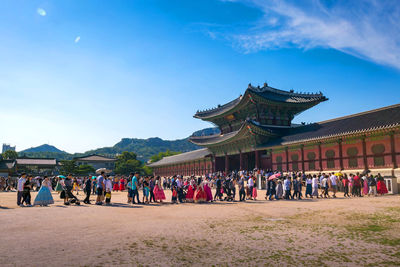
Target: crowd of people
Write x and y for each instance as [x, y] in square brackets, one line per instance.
[197, 189]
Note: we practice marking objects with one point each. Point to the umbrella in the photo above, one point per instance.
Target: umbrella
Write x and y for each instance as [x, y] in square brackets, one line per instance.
[338, 174]
[274, 176]
[38, 177]
[365, 172]
[61, 176]
[94, 177]
[102, 170]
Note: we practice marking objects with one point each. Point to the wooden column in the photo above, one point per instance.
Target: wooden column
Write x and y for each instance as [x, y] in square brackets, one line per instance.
[320, 156]
[364, 148]
[241, 160]
[340, 154]
[226, 163]
[214, 163]
[287, 158]
[302, 158]
[393, 150]
[257, 157]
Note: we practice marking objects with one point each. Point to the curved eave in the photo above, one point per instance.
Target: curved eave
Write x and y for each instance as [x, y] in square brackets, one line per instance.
[303, 100]
[248, 128]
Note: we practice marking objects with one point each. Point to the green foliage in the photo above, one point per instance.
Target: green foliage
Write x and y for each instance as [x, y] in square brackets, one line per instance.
[9, 154]
[127, 163]
[161, 155]
[68, 166]
[85, 169]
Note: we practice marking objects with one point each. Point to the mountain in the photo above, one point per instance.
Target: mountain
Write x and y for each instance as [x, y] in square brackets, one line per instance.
[43, 148]
[144, 149]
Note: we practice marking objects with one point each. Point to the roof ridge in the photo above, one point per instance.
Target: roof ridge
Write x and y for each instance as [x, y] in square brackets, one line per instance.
[359, 114]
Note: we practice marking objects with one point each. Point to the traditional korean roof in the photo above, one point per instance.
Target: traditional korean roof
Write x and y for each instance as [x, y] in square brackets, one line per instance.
[267, 93]
[184, 157]
[382, 118]
[248, 127]
[7, 164]
[94, 157]
[36, 161]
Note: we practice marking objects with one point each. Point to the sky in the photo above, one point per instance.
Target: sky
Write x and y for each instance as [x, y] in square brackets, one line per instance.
[83, 74]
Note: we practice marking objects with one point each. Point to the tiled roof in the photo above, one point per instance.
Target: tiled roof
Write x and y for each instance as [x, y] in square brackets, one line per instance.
[7, 164]
[386, 117]
[184, 157]
[94, 158]
[266, 92]
[30, 161]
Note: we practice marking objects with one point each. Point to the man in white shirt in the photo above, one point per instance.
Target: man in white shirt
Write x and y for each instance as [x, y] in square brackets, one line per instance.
[334, 184]
[20, 188]
[108, 188]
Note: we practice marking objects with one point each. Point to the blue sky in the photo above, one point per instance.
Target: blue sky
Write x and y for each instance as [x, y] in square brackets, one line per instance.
[84, 74]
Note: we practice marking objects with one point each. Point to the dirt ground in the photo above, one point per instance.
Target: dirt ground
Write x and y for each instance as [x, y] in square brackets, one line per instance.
[324, 232]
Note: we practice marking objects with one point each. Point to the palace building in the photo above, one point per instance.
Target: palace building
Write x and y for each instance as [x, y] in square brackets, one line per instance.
[256, 131]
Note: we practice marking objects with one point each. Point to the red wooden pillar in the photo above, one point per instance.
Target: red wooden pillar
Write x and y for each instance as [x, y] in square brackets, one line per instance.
[241, 160]
[393, 150]
[320, 156]
[287, 158]
[257, 156]
[226, 163]
[302, 158]
[341, 154]
[214, 163]
[364, 148]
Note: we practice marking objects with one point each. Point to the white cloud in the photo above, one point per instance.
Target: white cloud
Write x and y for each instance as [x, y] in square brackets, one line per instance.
[77, 39]
[41, 12]
[368, 29]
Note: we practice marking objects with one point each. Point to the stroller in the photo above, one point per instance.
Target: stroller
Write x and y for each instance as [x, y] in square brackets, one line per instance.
[72, 198]
[227, 189]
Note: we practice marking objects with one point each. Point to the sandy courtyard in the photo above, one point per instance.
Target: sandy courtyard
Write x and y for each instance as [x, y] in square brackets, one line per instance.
[326, 232]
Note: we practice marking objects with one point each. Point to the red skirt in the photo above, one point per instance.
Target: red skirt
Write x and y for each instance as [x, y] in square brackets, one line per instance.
[254, 192]
[158, 193]
[115, 187]
[190, 193]
[381, 187]
[200, 195]
[122, 186]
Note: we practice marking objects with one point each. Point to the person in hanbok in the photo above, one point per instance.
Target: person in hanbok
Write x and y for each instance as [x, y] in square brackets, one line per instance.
[115, 184]
[200, 194]
[279, 190]
[122, 182]
[59, 186]
[207, 189]
[380, 185]
[76, 187]
[44, 197]
[254, 193]
[158, 191]
[314, 183]
[190, 191]
[365, 186]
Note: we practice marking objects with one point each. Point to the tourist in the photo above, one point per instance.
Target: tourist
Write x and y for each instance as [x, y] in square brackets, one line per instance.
[309, 187]
[279, 190]
[357, 185]
[272, 189]
[146, 190]
[254, 194]
[94, 192]
[115, 184]
[122, 182]
[135, 188]
[200, 195]
[380, 185]
[333, 184]
[325, 187]
[100, 188]
[87, 189]
[27, 191]
[242, 194]
[218, 183]
[76, 186]
[44, 198]
[20, 189]
[345, 182]
[207, 189]
[190, 191]
[372, 185]
[108, 188]
[314, 186]
[151, 187]
[158, 191]
[250, 185]
[174, 196]
[286, 187]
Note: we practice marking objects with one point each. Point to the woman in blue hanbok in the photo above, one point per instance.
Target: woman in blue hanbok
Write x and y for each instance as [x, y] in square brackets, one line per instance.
[44, 197]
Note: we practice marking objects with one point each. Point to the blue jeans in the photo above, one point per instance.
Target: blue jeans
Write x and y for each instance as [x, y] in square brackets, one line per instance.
[135, 192]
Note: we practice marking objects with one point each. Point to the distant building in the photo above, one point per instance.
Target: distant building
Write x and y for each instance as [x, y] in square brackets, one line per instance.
[7, 147]
[96, 161]
[36, 166]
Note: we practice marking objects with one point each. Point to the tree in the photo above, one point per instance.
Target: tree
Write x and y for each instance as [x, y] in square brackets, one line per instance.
[84, 169]
[68, 166]
[9, 154]
[161, 155]
[127, 163]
